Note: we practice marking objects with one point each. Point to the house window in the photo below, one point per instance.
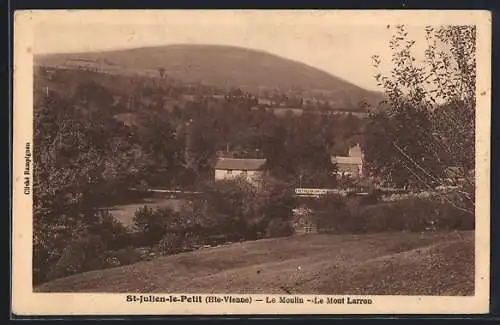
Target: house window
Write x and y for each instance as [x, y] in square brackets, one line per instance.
[244, 173]
[229, 172]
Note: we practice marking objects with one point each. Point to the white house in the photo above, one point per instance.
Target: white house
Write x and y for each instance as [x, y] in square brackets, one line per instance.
[248, 169]
[352, 165]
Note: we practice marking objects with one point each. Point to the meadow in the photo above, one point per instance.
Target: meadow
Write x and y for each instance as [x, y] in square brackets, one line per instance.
[395, 263]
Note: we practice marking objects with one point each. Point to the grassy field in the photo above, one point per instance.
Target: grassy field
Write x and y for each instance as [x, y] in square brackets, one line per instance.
[389, 263]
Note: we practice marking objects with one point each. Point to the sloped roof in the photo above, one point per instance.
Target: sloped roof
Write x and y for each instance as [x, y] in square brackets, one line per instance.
[239, 164]
[347, 160]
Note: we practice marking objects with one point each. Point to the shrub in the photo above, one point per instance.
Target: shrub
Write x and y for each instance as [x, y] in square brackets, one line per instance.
[378, 218]
[93, 232]
[152, 223]
[192, 240]
[112, 232]
[85, 253]
[41, 263]
[226, 203]
[417, 213]
[373, 197]
[278, 197]
[171, 243]
[352, 215]
[448, 217]
[331, 214]
[241, 211]
[124, 256]
[279, 228]
[330, 203]
[411, 214]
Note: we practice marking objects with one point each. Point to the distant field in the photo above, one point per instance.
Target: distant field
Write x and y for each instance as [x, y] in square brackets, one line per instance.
[433, 263]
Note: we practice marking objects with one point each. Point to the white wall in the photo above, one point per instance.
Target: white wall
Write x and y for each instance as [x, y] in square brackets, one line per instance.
[252, 176]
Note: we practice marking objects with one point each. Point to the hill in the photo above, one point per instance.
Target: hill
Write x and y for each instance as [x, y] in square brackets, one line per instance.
[433, 263]
[220, 66]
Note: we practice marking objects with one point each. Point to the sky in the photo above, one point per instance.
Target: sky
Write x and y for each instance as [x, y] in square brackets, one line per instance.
[339, 43]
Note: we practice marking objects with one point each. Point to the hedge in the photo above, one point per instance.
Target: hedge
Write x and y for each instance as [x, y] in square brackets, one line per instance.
[410, 214]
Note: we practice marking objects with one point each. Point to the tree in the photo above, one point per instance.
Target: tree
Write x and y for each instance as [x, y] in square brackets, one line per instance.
[161, 72]
[298, 149]
[153, 224]
[430, 120]
[159, 142]
[66, 168]
[199, 147]
[79, 161]
[240, 210]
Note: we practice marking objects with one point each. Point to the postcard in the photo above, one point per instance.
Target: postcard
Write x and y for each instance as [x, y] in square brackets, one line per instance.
[251, 162]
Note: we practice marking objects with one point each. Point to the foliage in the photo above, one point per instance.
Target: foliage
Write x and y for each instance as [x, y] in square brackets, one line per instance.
[279, 228]
[97, 135]
[233, 210]
[81, 254]
[299, 151]
[411, 214]
[372, 197]
[431, 120]
[161, 143]
[279, 198]
[242, 211]
[153, 223]
[171, 243]
[200, 146]
[74, 172]
[123, 256]
[112, 232]
[232, 207]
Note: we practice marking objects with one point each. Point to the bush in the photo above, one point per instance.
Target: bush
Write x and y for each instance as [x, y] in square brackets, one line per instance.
[79, 247]
[413, 214]
[352, 215]
[241, 211]
[85, 253]
[152, 223]
[373, 197]
[124, 256]
[192, 241]
[330, 213]
[278, 199]
[448, 217]
[171, 243]
[377, 218]
[279, 228]
[41, 263]
[417, 213]
[112, 232]
[228, 205]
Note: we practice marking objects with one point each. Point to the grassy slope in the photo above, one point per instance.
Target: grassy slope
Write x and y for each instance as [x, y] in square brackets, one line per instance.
[216, 65]
[391, 263]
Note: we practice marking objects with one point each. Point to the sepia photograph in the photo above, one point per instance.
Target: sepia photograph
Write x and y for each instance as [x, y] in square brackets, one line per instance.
[251, 161]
